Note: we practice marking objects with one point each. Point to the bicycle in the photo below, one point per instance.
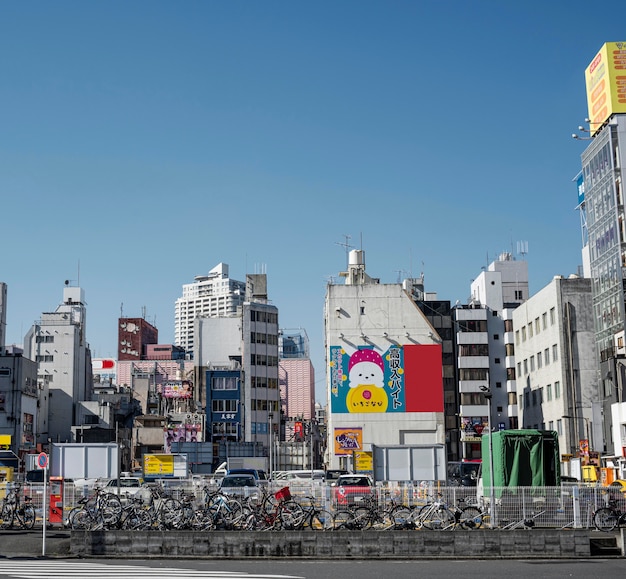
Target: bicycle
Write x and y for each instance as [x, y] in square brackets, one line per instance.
[315, 517]
[276, 512]
[608, 518]
[100, 510]
[435, 515]
[16, 513]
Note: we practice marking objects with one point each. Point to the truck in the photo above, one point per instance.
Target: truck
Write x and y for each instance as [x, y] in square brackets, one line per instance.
[520, 458]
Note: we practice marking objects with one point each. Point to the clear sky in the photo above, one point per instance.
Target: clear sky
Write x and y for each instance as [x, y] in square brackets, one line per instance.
[144, 142]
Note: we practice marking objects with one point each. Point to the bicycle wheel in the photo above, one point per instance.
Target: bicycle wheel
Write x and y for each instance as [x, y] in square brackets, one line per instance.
[87, 521]
[436, 519]
[344, 520]
[171, 513]
[27, 516]
[363, 518]
[6, 517]
[605, 519]
[291, 515]
[471, 518]
[321, 520]
[402, 518]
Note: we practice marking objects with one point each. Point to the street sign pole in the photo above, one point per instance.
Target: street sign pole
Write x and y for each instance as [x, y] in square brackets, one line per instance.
[42, 463]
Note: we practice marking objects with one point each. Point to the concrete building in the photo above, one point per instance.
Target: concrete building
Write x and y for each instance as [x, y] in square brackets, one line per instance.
[236, 355]
[134, 336]
[556, 365]
[213, 295]
[18, 402]
[58, 344]
[486, 352]
[384, 377]
[601, 204]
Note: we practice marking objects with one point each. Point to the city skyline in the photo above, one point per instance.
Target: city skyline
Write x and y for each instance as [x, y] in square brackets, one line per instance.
[143, 143]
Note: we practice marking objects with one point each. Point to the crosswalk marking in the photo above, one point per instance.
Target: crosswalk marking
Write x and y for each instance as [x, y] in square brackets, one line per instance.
[29, 569]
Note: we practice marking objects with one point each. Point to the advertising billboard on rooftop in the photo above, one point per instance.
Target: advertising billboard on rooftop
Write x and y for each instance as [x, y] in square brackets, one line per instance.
[605, 79]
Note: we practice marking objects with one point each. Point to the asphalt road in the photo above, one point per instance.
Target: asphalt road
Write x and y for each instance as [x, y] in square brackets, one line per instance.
[43, 568]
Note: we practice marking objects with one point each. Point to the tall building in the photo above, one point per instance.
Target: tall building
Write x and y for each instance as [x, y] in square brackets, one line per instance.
[601, 202]
[296, 377]
[384, 368]
[486, 351]
[556, 365]
[58, 344]
[213, 295]
[236, 360]
[134, 336]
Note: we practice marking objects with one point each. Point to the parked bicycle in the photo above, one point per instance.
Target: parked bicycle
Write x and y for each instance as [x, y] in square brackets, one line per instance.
[610, 517]
[16, 513]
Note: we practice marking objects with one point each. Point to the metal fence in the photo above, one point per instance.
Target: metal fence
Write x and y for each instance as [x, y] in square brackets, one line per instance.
[567, 506]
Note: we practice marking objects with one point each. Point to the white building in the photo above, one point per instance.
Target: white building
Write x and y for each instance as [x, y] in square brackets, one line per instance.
[486, 359]
[384, 368]
[557, 365]
[213, 295]
[58, 344]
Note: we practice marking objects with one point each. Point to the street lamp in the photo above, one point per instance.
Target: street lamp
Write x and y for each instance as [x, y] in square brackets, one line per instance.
[492, 503]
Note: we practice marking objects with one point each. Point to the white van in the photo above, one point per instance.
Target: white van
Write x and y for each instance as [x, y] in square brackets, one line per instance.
[305, 475]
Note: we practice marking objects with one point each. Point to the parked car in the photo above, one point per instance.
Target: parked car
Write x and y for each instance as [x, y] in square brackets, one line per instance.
[129, 486]
[350, 489]
[240, 484]
[259, 475]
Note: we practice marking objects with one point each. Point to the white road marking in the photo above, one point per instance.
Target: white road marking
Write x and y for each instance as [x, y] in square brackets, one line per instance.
[29, 569]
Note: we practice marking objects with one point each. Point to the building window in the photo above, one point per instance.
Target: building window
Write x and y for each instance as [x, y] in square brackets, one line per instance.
[532, 363]
[539, 360]
[519, 368]
[498, 384]
[227, 405]
[224, 383]
[499, 409]
[496, 336]
[533, 397]
[546, 356]
[555, 353]
[544, 320]
[539, 395]
[525, 366]
[530, 330]
[549, 392]
[537, 330]
[509, 350]
[517, 337]
[559, 427]
[518, 295]
[44, 358]
[496, 360]
[510, 373]
[524, 334]
[44, 339]
[557, 390]
[508, 325]
[552, 316]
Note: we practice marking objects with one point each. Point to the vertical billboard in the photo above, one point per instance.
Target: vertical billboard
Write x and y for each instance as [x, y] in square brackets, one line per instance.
[403, 379]
[605, 79]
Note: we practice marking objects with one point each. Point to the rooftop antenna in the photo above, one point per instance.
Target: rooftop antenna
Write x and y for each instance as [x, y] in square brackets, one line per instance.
[143, 312]
[346, 245]
[122, 310]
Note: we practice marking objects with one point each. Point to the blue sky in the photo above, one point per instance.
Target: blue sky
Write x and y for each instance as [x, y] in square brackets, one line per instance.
[142, 143]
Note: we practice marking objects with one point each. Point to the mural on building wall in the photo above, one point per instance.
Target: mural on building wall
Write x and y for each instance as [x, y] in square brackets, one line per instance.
[403, 379]
[181, 433]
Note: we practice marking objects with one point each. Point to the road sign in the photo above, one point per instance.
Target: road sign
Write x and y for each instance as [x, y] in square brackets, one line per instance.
[42, 460]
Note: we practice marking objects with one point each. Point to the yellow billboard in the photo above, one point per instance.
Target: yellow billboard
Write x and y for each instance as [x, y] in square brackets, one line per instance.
[158, 465]
[348, 440]
[363, 461]
[605, 79]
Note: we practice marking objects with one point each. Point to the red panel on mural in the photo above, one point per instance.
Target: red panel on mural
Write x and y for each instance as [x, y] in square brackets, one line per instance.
[423, 380]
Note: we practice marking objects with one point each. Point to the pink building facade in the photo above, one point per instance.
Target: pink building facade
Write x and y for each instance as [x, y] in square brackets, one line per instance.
[297, 387]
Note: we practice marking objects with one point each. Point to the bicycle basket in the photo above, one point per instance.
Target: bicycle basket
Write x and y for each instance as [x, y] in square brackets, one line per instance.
[283, 494]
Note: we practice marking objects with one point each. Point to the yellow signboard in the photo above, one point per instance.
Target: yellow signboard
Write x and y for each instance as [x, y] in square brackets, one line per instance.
[363, 461]
[158, 464]
[5, 441]
[605, 79]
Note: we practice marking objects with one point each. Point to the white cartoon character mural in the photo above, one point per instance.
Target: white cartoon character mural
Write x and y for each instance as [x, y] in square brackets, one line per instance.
[366, 382]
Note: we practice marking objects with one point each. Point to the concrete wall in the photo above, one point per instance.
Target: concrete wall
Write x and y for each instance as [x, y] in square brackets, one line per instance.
[481, 544]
